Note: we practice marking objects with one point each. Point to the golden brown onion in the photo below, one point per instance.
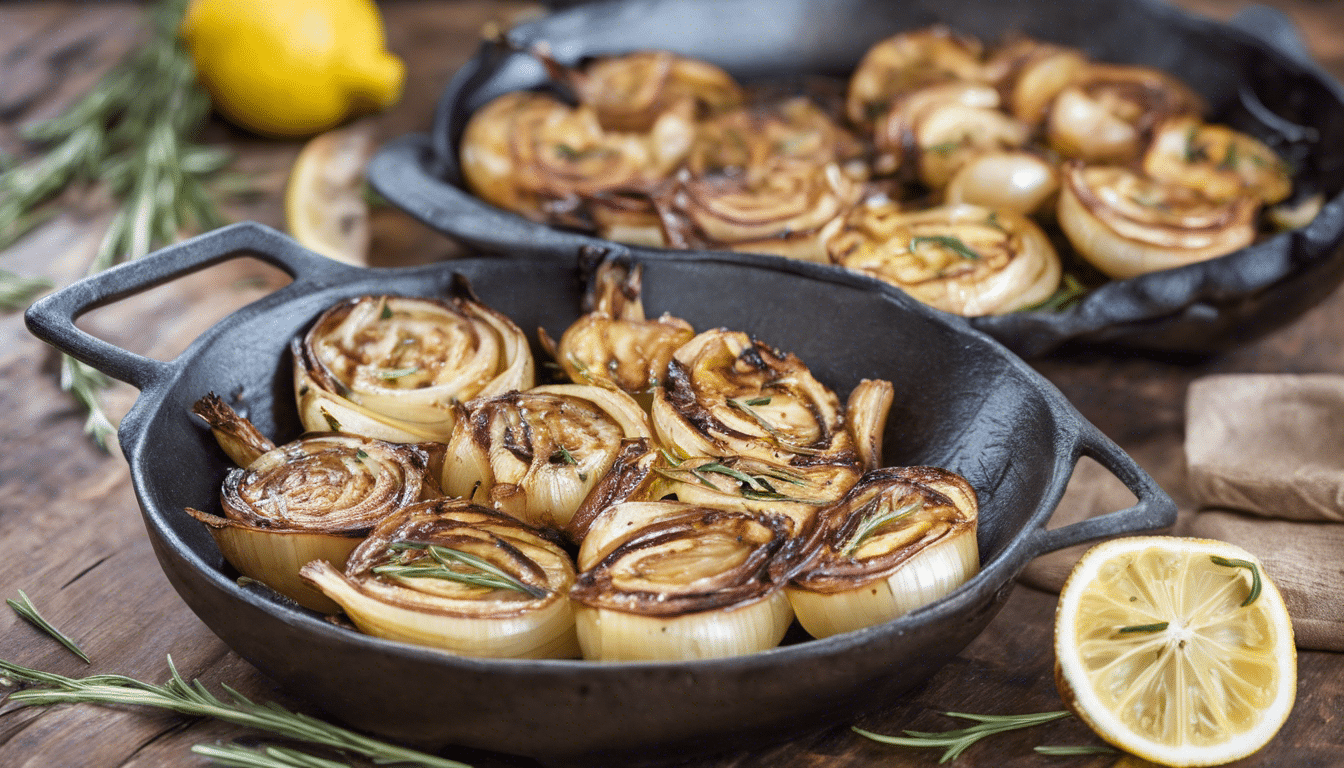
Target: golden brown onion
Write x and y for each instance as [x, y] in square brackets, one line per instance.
[866, 418]
[755, 486]
[1126, 224]
[763, 180]
[451, 575]
[394, 368]
[730, 395]
[902, 538]
[1216, 160]
[536, 454]
[631, 91]
[893, 135]
[239, 438]
[1109, 111]
[670, 581]
[1031, 74]
[532, 154]
[1006, 181]
[949, 134]
[613, 345]
[906, 62]
[962, 259]
[315, 498]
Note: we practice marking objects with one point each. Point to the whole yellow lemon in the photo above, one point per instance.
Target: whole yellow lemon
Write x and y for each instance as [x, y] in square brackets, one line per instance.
[292, 67]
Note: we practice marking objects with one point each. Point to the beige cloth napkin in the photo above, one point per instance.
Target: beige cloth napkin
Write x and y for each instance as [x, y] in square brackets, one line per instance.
[1265, 469]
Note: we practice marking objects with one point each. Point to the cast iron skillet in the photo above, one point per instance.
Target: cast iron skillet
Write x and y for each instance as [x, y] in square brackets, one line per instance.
[964, 403]
[1256, 76]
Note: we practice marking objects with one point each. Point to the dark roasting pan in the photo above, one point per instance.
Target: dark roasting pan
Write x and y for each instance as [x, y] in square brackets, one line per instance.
[964, 402]
[1255, 74]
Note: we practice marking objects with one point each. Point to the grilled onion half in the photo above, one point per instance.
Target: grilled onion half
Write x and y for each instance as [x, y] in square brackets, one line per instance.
[900, 539]
[314, 498]
[728, 394]
[666, 581]
[394, 368]
[906, 62]
[762, 180]
[535, 155]
[1018, 181]
[632, 91]
[536, 455]
[1127, 224]
[1031, 74]
[1216, 160]
[613, 344]
[1108, 113]
[962, 259]
[452, 575]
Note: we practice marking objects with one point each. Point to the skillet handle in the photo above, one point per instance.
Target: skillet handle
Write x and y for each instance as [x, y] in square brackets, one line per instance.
[400, 172]
[52, 318]
[1154, 509]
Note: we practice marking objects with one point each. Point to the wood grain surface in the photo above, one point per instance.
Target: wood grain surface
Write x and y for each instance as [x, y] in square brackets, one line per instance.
[70, 530]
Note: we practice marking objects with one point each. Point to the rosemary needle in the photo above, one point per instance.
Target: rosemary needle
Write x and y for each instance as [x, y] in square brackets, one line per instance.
[25, 608]
[195, 699]
[239, 756]
[957, 741]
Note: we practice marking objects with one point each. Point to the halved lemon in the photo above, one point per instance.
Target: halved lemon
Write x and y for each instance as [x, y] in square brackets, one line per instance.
[325, 208]
[1177, 650]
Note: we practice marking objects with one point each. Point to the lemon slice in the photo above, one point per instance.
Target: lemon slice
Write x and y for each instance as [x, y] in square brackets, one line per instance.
[325, 208]
[1179, 651]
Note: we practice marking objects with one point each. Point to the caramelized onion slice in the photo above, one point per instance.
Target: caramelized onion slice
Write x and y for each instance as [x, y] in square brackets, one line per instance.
[672, 581]
[613, 345]
[1109, 111]
[730, 395]
[902, 538]
[631, 91]
[755, 486]
[534, 155]
[962, 259]
[452, 575]
[1219, 162]
[1127, 224]
[537, 454]
[906, 62]
[866, 418]
[1031, 73]
[239, 438]
[313, 498]
[949, 134]
[894, 133]
[394, 368]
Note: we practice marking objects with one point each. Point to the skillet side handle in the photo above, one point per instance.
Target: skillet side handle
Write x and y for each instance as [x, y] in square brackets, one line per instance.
[400, 172]
[52, 318]
[1154, 509]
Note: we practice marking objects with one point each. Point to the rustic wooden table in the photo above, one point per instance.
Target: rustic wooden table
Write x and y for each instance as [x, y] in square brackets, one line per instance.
[71, 537]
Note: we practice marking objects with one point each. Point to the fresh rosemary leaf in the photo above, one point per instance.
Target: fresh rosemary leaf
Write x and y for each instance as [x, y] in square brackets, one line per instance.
[745, 407]
[957, 741]
[1155, 627]
[397, 373]
[85, 383]
[239, 756]
[1255, 575]
[485, 574]
[25, 608]
[17, 292]
[872, 522]
[758, 401]
[1070, 290]
[947, 241]
[195, 700]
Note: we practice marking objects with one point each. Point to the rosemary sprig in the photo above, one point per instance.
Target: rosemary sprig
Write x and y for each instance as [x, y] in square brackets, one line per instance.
[947, 241]
[485, 574]
[195, 699]
[870, 524]
[239, 756]
[25, 608]
[131, 134]
[1255, 575]
[745, 406]
[957, 741]
[1155, 627]
[1070, 290]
